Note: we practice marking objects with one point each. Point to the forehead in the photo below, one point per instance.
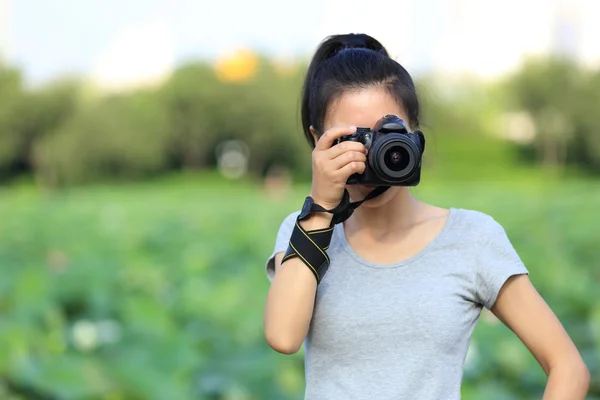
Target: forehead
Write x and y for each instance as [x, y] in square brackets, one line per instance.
[363, 108]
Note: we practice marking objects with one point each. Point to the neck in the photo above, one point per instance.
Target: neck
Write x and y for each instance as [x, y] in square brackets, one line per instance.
[398, 214]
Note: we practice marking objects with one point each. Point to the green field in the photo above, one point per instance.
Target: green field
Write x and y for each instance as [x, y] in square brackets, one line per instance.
[156, 290]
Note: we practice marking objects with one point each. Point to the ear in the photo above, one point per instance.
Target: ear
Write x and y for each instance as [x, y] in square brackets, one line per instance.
[314, 134]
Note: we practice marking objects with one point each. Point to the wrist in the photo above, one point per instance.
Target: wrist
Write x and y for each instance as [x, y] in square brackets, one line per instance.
[311, 237]
[325, 204]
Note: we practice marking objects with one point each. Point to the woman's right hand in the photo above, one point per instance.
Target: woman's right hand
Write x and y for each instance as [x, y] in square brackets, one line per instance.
[333, 165]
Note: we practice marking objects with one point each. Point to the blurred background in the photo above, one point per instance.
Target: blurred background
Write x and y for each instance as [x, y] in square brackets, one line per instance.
[150, 149]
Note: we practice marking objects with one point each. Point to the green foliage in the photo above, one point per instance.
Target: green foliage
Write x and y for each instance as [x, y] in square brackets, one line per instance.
[11, 96]
[48, 107]
[116, 136]
[28, 116]
[586, 144]
[157, 290]
[196, 101]
[204, 111]
[562, 100]
[66, 139]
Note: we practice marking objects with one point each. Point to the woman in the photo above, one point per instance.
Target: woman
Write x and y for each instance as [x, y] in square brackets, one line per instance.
[392, 315]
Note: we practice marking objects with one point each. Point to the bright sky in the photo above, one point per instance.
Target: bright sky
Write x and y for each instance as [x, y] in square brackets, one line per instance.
[53, 36]
[136, 39]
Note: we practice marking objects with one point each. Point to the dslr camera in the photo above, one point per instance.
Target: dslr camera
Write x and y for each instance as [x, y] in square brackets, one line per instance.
[394, 154]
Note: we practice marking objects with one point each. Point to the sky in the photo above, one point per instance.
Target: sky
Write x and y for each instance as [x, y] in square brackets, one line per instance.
[50, 37]
[119, 40]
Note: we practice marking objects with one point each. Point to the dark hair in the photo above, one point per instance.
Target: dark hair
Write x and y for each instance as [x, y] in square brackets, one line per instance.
[348, 62]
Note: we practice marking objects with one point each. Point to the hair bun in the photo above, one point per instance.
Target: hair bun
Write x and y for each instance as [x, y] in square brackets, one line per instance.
[361, 41]
[336, 43]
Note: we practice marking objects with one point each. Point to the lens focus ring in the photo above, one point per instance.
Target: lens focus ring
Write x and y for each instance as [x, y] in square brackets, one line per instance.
[394, 157]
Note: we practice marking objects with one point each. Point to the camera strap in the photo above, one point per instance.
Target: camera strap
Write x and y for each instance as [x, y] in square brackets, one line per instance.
[311, 246]
[345, 209]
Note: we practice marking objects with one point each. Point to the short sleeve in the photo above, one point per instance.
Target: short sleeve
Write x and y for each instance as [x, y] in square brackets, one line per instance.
[496, 262]
[281, 242]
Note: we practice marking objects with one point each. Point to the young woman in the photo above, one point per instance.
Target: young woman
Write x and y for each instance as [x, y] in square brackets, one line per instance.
[406, 281]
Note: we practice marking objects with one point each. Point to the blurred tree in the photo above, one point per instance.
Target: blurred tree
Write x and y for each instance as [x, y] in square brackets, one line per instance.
[548, 89]
[204, 111]
[586, 120]
[11, 98]
[118, 136]
[43, 111]
[254, 99]
[195, 101]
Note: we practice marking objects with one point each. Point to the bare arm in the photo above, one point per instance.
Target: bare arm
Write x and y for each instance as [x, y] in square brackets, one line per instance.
[520, 307]
[291, 298]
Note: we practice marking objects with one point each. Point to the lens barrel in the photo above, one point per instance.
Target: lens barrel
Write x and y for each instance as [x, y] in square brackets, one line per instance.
[394, 158]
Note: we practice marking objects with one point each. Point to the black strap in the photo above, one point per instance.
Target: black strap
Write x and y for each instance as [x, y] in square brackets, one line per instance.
[311, 246]
[353, 206]
[344, 210]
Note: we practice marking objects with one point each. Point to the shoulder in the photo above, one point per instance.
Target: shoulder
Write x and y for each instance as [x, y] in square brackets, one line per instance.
[286, 226]
[281, 242]
[477, 226]
[493, 259]
[474, 217]
[487, 238]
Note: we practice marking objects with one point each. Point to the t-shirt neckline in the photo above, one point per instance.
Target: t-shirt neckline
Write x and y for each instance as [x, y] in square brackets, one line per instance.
[339, 231]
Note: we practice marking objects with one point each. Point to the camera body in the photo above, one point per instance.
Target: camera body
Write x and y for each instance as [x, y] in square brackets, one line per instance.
[395, 154]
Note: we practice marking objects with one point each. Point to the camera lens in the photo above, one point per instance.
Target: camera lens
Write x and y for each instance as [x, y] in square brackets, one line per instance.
[396, 158]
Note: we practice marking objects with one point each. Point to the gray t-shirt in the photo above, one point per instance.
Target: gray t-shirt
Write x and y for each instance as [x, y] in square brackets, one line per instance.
[401, 331]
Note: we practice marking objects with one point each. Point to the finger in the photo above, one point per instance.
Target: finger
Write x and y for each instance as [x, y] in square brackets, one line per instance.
[326, 140]
[344, 147]
[346, 158]
[352, 168]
